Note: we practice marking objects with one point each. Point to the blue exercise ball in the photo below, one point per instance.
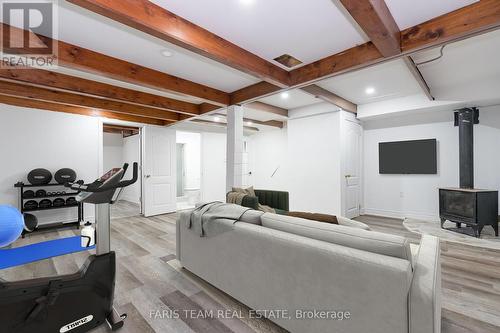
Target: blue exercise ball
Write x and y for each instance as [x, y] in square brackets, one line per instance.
[11, 225]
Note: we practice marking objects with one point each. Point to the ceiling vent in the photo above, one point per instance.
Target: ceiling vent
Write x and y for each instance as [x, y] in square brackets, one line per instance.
[288, 60]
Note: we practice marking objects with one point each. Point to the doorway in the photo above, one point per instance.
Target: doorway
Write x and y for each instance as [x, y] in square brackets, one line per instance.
[352, 136]
[188, 181]
[122, 144]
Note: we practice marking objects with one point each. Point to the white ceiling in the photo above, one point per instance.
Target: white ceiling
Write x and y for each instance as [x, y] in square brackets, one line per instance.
[390, 80]
[408, 13]
[83, 28]
[306, 29]
[296, 99]
[468, 71]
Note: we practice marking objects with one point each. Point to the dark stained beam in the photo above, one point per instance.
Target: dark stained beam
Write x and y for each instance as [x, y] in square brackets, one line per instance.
[268, 108]
[477, 18]
[125, 131]
[65, 82]
[154, 20]
[253, 92]
[207, 108]
[218, 124]
[55, 96]
[35, 104]
[418, 77]
[79, 58]
[272, 123]
[377, 22]
[331, 98]
[354, 58]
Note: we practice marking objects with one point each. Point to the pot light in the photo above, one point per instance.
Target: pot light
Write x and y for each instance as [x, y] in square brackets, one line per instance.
[217, 119]
[167, 53]
[247, 2]
[370, 91]
[285, 95]
[249, 123]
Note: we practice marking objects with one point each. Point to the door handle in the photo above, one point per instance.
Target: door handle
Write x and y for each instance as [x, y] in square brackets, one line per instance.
[147, 176]
[348, 176]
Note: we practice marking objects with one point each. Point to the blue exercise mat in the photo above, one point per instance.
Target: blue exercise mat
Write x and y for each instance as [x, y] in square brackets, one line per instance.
[40, 251]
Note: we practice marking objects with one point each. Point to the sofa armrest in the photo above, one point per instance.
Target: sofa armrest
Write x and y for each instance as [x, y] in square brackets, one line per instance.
[425, 291]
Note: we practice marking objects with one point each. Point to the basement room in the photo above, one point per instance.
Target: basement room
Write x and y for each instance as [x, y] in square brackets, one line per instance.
[250, 166]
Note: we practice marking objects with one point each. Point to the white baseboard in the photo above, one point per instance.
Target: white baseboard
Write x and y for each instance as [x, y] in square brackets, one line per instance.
[401, 215]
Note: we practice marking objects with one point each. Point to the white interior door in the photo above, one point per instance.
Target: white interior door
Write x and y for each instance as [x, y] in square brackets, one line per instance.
[159, 171]
[352, 168]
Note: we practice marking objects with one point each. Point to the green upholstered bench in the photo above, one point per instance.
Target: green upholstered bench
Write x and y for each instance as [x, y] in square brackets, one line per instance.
[279, 200]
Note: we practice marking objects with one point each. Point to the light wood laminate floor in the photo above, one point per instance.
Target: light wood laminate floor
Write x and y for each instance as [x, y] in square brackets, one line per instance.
[149, 279]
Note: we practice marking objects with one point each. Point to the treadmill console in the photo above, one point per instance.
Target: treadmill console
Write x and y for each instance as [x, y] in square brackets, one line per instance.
[110, 178]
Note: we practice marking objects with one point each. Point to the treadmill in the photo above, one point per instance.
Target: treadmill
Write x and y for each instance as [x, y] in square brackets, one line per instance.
[78, 302]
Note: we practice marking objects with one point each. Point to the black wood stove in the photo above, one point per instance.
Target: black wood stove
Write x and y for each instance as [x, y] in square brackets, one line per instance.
[466, 205]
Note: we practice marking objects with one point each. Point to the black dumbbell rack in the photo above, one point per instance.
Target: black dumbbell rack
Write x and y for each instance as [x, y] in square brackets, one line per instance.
[49, 226]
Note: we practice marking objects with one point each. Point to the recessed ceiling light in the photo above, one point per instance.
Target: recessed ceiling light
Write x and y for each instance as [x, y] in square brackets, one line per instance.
[370, 91]
[247, 2]
[217, 119]
[167, 53]
[285, 95]
[249, 123]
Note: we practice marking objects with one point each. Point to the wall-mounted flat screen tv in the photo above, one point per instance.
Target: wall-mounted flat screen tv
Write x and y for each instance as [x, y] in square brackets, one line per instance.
[408, 157]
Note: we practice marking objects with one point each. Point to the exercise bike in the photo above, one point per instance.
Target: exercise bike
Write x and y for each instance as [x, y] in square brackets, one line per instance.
[76, 302]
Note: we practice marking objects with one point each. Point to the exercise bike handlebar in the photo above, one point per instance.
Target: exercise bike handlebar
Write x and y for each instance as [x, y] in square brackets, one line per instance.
[93, 188]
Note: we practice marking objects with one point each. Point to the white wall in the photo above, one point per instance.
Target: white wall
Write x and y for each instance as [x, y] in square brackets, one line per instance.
[112, 151]
[33, 138]
[268, 159]
[131, 154]
[417, 195]
[213, 166]
[313, 163]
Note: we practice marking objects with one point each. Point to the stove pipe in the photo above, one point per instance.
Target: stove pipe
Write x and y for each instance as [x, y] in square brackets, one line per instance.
[465, 120]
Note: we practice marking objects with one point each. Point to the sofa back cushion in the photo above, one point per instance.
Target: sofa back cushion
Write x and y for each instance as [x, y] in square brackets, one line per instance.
[371, 241]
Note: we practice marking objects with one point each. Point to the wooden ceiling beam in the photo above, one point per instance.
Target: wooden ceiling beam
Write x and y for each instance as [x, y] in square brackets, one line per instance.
[207, 108]
[154, 20]
[79, 58]
[330, 97]
[253, 92]
[375, 19]
[268, 108]
[272, 123]
[219, 124]
[21, 90]
[477, 18]
[65, 82]
[358, 57]
[42, 105]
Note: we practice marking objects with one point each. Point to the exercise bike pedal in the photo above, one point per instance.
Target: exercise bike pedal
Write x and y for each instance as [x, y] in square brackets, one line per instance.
[115, 321]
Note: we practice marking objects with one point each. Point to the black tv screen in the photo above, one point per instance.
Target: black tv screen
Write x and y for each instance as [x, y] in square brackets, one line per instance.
[408, 157]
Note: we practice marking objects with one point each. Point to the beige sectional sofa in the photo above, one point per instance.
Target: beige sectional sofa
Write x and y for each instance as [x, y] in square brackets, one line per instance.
[283, 265]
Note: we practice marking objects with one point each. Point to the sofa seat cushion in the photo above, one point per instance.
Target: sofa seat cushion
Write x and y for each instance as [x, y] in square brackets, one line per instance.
[351, 223]
[371, 241]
